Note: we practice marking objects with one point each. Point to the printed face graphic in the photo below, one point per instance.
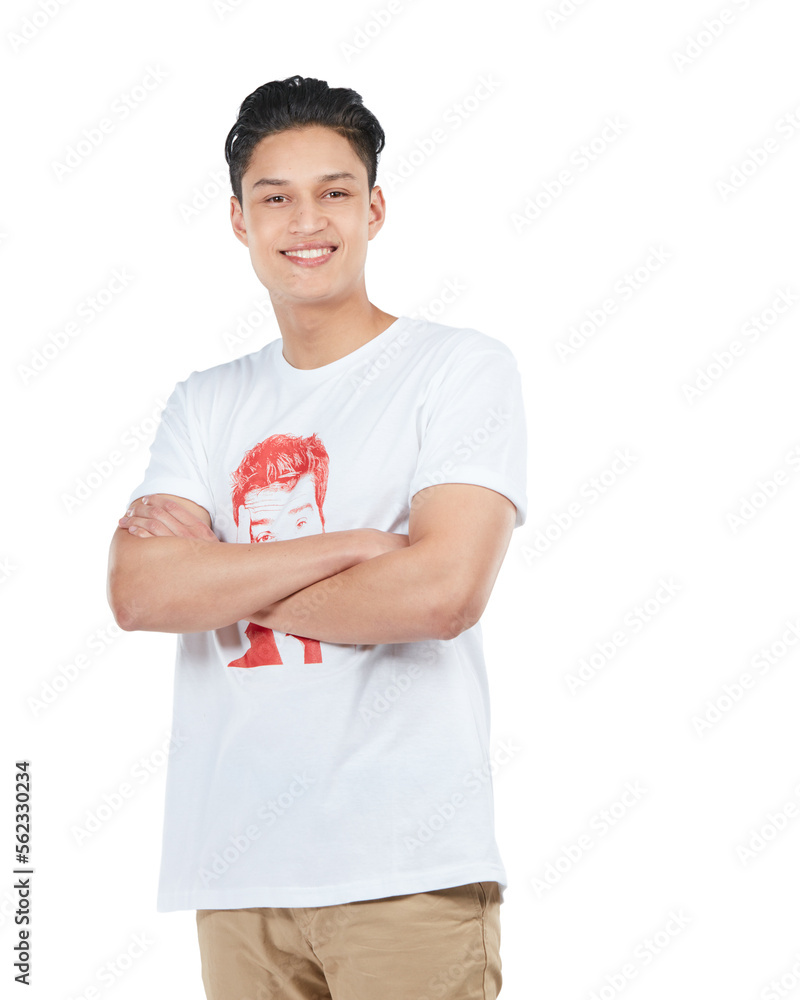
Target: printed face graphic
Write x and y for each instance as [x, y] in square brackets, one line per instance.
[274, 513]
[277, 494]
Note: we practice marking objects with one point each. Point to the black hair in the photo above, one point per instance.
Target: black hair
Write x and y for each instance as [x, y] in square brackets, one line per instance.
[295, 103]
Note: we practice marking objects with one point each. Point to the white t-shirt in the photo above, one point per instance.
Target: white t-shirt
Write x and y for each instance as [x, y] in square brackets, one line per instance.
[308, 773]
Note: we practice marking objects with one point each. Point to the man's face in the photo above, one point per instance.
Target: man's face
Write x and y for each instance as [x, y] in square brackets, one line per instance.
[292, 197]
[283, 514]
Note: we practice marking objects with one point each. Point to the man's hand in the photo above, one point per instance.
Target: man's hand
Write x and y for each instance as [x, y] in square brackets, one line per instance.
[159, 515]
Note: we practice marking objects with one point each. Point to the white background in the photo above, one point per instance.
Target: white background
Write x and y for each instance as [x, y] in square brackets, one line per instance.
[699, 107]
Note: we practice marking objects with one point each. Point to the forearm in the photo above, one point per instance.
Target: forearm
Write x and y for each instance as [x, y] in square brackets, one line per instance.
[184, 585]
[395, 597]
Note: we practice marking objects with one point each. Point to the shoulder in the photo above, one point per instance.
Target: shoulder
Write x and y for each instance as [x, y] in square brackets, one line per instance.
[452, 344]
[228, 376]
[453, 352]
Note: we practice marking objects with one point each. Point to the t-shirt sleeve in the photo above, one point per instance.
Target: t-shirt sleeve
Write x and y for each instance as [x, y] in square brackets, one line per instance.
[473, 427]
[177, 461]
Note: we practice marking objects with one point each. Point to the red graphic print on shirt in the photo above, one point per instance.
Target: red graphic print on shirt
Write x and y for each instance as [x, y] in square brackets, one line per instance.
[277, 493]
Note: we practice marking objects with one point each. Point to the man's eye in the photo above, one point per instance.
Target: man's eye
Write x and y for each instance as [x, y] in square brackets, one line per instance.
[275, 197]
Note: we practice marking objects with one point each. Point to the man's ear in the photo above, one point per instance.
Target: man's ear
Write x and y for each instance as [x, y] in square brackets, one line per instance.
[377, 211]
[237, 220]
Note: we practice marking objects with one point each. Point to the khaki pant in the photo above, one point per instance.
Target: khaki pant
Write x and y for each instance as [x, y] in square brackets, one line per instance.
[439, 945]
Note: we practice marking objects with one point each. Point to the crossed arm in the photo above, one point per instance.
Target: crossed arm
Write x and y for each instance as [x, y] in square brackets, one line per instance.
[168, 572]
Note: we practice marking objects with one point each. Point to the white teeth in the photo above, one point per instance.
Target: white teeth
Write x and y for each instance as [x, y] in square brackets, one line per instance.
[309, 253]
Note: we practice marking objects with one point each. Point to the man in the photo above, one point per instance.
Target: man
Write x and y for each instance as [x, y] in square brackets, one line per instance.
[322, 815]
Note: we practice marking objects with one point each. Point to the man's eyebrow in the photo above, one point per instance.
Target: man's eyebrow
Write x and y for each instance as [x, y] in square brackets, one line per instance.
[322, 179]
[302, 506]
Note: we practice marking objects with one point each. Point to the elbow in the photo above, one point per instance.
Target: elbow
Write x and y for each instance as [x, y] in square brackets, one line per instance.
[124, 609]
[456, 615]
[125, 622]
[123, 615]
[129, 585]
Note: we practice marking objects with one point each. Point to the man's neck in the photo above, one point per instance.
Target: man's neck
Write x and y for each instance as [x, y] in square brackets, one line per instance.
[314, 336]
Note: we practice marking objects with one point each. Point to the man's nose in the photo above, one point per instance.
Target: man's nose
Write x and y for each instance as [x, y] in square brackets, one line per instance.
[308, 216]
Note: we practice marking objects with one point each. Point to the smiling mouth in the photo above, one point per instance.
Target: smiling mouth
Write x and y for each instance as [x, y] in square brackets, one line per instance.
[309, 254]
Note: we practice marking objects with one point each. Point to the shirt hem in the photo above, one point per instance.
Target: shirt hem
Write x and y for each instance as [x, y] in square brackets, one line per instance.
[478, 475]
[187, 488]
[293, 896]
